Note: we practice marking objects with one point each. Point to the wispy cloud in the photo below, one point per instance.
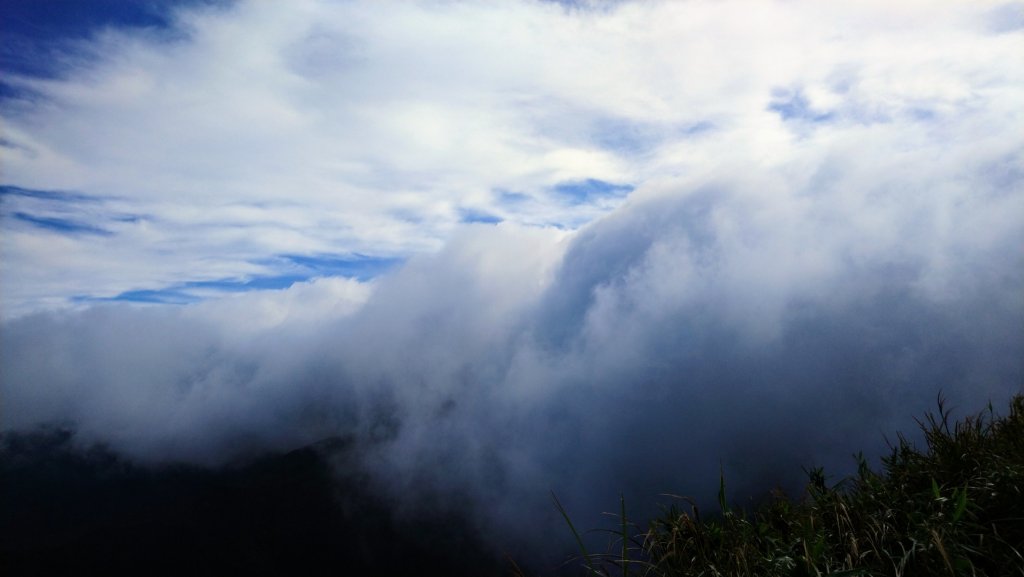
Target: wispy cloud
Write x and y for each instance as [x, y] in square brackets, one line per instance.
[60, 225]
[256, 129]
[591, 190]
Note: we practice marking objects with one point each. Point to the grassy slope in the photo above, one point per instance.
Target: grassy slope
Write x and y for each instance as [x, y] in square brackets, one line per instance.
[953, 507]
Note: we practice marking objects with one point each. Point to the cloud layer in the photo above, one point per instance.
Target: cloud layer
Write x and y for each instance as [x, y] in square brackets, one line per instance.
[638, 241]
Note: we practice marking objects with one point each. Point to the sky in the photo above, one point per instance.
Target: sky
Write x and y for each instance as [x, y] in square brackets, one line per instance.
[511, 247]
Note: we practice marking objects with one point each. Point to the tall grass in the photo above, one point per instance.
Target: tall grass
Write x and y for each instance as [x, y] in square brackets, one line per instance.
[954, 507]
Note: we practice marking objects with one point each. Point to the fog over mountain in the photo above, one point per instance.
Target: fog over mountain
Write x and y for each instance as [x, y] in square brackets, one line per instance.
[776, 289]
[684, 331]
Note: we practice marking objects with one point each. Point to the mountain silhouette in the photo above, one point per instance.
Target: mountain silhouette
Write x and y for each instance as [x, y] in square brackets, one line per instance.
[310, 511]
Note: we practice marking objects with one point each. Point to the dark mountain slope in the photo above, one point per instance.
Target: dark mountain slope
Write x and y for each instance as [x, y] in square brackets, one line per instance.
[67, 511]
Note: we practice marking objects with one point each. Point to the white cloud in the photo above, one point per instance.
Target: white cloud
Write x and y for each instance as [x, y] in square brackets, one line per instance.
[318, 127]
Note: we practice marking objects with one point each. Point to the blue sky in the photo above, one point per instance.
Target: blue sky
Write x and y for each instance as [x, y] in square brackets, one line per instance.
[45, 39]
[232, 132]
[488, 222]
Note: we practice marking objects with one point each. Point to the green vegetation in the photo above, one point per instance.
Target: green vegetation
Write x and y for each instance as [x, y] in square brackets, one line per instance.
[955, 507]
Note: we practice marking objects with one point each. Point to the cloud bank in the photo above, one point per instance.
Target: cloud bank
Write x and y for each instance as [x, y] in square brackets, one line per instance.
[687, 330]
[639, 241]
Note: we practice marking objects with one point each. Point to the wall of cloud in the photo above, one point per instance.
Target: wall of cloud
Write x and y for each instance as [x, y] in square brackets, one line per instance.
[757, 324]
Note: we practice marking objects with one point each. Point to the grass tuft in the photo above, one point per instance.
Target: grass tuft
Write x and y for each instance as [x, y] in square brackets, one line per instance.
[953, 508]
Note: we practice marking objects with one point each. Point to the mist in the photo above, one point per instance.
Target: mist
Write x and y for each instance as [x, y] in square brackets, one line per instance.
[687, 333]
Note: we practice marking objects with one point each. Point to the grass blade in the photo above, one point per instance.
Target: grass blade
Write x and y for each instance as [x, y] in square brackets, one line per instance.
[575, 533]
